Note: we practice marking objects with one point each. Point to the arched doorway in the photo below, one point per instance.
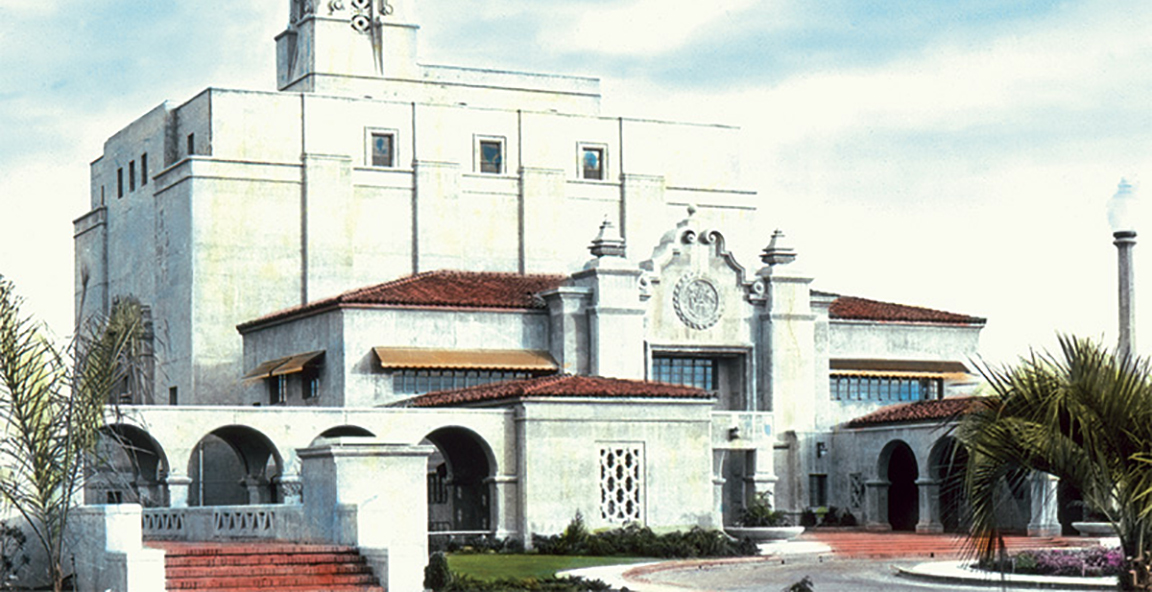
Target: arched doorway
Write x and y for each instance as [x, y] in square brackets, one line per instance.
[898, 465]
[128, 466]
[949, 462]
[234, 465]
[459, 481]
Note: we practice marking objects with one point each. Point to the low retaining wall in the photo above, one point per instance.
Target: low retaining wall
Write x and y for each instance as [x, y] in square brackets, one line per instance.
[225, 523]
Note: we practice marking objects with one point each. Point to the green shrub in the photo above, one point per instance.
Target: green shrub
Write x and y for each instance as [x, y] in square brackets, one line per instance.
[639, 541]
[838, 517]
[760, 513]
[437, 576]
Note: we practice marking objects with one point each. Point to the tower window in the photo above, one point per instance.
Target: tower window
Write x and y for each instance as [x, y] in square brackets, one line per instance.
[191, 144]
[144, 169]
[383, 146]
[592, 162]
[132, 176]
[686, 371]
[173, 396]
[490, 155]
[119, 183]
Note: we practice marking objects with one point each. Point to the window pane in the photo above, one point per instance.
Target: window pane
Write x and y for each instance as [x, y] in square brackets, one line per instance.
[593, 161]
[382, 150]
[491, 157]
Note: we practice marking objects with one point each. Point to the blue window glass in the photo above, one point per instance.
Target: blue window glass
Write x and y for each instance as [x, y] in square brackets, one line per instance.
[491, 157]
[593, 161]
[382, 145]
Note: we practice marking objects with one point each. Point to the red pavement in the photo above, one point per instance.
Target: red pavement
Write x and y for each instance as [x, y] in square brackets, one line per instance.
[859, 543]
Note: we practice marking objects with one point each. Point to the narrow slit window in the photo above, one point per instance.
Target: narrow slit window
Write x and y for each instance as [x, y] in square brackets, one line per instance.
[191, 144]
[132, 175]
[144, 169]
[119, 183]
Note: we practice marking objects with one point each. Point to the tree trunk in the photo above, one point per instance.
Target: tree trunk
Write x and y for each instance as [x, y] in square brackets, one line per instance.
[1137, 575]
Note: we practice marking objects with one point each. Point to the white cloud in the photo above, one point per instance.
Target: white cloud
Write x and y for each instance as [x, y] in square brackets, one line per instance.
[643, 26]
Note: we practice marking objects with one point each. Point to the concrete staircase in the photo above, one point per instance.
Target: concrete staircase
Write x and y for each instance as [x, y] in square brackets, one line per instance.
[259, 566]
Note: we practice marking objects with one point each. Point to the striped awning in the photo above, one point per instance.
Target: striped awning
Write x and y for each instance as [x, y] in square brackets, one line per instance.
[396, 358]
[286, 365]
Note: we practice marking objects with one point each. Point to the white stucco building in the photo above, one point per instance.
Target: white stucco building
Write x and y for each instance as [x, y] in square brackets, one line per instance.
[373, 248]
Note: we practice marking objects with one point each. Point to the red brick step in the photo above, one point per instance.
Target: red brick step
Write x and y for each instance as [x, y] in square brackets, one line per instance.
[255, 567]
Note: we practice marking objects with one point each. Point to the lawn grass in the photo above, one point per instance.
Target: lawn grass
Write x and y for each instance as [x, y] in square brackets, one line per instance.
[494, 566]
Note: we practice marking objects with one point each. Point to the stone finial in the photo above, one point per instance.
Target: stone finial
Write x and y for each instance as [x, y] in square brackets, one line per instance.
[608, 243]
[777, 252]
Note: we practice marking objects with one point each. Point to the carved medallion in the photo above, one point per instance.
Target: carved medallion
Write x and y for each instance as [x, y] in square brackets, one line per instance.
[697, 301]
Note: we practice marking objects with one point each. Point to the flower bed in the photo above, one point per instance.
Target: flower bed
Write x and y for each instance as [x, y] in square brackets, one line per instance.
[1090, 562]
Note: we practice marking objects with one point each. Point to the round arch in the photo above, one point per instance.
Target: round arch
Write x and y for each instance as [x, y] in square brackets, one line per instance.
[897, 464]
[947, 465]
[344, 431]
[129, 466]
[459, 480]
[234, 465]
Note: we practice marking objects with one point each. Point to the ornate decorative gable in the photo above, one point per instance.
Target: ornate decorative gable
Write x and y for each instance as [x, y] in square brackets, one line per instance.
[698, 291]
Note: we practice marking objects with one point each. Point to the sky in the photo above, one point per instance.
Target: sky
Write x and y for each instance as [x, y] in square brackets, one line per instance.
[951, 154]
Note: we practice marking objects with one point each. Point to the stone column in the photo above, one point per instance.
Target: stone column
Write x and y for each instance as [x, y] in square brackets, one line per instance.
[372, 495]
[504, 508]
[256, 486]
[291, 490]
[877, 505]
[178, 490]
[929, 490]
[1044, 520]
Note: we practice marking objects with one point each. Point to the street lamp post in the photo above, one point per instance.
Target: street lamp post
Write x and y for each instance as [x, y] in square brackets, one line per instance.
[1122, 218]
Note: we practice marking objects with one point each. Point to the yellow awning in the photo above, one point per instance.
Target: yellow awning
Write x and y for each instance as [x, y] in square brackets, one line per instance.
[286, 365]
[465, 359]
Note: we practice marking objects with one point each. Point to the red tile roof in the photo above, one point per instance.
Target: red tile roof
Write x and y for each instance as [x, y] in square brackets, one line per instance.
[916, 412]
[559, 385]
[442, 288]
[851, 307]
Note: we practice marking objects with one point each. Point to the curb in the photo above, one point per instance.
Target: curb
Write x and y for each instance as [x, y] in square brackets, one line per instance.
[959, 572]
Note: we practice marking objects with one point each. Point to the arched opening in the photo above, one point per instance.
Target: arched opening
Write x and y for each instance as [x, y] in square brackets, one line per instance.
[949, 462]
[128, 466]
[344, 431]
[234, 465]
[898, 465]
[459, 481]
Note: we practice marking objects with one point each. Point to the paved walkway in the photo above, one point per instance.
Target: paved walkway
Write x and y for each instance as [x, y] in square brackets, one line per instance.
[855, 544]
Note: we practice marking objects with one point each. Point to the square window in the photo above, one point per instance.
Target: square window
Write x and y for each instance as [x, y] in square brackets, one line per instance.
[383, 145]
[492, 156]
[592, 163]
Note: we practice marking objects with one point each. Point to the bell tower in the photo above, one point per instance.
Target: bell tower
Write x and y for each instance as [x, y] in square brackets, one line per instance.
[330, 44]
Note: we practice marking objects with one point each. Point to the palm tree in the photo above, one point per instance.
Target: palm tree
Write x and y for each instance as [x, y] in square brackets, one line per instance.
[52, 409]
[1085, 417]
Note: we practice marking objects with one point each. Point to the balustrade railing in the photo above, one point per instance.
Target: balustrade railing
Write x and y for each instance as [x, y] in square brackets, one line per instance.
[214, 523]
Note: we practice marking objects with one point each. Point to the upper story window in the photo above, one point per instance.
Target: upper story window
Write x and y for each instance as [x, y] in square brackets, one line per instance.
[592, 161]
[381, 148]
[697, 372]
[277, 389]
[490, 155]
[119, 183]
[132, 175]
[418, 382]
[884, 388]
[191, 144]
[143, 169]
[722, 372]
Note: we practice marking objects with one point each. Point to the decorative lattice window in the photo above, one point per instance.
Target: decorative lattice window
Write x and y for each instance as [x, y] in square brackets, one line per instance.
[622, 482]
